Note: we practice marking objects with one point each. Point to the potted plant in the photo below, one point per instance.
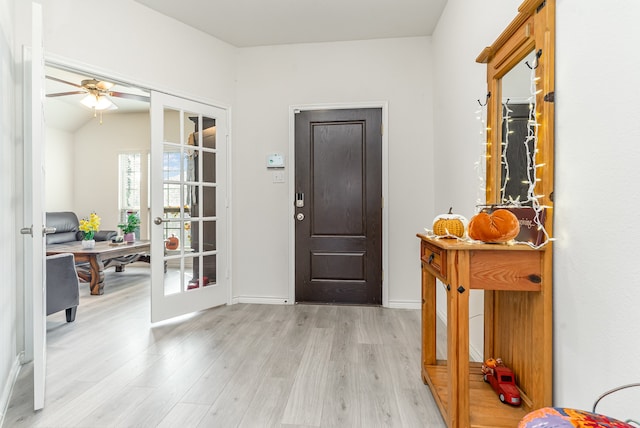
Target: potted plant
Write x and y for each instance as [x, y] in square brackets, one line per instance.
[89, 228]
[128, 228]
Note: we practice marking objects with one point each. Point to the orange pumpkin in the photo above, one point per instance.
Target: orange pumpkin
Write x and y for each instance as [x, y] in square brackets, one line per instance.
[499, 226]
[449, 225]
[172, 243]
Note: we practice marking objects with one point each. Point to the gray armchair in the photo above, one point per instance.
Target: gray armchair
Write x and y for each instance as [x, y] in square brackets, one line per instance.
[62, 285]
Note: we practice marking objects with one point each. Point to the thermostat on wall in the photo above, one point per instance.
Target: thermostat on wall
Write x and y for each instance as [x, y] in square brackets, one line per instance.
[275, 161]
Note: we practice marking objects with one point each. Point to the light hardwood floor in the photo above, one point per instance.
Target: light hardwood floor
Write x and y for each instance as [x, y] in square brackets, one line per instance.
[240, 365]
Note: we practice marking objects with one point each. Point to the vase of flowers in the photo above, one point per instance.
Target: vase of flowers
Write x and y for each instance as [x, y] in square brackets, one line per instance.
[129, 227]
[89, 227]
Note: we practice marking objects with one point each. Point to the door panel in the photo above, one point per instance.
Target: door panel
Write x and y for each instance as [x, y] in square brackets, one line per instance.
[338, 162]
[34, 217]
[188, 185]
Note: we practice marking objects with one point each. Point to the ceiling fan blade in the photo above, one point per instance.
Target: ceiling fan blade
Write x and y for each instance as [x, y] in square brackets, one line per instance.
[62, 94]
[63, 81]
[130, 96]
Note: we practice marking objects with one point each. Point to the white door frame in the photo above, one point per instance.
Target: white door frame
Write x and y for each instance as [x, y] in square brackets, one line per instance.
[73, 65]
[62, 62]
[384, 105]
[33, 215]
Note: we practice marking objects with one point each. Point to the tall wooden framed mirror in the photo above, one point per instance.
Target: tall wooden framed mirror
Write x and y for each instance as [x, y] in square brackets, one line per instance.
[520, 81]
[520, 171]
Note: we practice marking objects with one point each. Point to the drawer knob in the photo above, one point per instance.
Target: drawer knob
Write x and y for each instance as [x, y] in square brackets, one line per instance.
[431, 257]
[536, 279]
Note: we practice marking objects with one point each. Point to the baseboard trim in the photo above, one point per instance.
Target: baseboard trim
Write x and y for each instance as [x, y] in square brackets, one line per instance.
[474, 353]
[393, 304]
[8, 387]
[262, 300]
[405, 304]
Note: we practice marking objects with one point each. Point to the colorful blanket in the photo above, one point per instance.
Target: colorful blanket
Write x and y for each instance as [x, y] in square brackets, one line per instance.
[559, 417]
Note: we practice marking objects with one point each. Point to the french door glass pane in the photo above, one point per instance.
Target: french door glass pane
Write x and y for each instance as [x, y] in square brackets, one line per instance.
[189, 192]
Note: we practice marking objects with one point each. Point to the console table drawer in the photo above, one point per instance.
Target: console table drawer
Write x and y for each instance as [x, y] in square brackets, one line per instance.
[434, 259]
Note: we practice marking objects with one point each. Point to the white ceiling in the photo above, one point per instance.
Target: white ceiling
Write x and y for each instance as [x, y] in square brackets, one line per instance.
[245, 23]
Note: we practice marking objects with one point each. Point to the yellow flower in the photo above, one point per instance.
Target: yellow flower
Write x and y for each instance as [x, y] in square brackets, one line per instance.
[90, 226]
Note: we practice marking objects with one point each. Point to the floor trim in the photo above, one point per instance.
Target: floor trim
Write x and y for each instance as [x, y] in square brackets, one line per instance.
[8, 387]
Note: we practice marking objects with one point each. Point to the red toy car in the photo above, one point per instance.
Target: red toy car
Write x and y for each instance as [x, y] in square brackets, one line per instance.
[502, 381]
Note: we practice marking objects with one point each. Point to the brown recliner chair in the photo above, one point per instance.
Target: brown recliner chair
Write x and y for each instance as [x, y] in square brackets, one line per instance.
[62, 285]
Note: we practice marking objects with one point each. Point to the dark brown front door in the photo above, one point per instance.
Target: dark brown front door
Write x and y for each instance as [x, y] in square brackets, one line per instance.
[338, 184]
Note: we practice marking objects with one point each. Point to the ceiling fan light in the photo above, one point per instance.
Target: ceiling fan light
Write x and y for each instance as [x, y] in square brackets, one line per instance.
[104, 103]
[89, 101]
[98, 102]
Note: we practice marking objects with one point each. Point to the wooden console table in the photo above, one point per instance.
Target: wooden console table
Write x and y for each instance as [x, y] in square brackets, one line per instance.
[517, 328]
[104, 254]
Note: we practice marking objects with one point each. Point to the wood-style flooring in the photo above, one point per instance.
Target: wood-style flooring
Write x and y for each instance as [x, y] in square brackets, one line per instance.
[242, 365]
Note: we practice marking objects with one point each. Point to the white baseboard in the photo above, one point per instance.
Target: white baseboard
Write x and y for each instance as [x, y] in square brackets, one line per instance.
[393, 304]
[8, 387]
[262, 300]
[405, 304]
[474, 353]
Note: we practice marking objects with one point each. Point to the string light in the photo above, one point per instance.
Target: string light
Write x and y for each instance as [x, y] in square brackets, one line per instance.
[506, 115]
[481, 164]
[531, 150]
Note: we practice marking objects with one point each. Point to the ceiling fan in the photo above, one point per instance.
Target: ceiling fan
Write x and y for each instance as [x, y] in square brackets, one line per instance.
[98, 93]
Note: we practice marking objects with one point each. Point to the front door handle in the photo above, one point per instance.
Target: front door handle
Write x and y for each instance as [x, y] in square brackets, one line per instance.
[299, 216]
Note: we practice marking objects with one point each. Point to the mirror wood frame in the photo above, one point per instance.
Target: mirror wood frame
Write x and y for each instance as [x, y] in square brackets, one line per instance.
[533, 29]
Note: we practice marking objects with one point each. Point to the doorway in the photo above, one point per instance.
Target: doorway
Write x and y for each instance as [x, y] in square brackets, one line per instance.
[338, 199]
[178, 192]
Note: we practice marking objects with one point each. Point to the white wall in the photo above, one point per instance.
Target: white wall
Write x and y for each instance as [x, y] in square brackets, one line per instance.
[464, 29]
[8, 198]
[140, 44]
[59, 170]
[270, 79]
[96, 148]
[597, 291]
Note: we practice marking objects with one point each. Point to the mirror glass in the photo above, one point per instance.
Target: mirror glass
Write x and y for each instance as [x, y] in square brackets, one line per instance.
[517, 142]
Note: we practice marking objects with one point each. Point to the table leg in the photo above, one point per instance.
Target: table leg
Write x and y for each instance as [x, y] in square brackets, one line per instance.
[97, 275]
[458, 342]
[428, 321]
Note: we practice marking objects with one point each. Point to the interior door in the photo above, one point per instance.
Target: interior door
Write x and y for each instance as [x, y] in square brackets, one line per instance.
[34, 221]
[188, 206]
[338, 185]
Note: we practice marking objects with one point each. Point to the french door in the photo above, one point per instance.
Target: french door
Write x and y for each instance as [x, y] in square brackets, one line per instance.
[33, 221]
[189, 202]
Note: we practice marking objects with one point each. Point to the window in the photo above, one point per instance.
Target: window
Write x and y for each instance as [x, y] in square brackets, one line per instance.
[133, 179]
[130, 171]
